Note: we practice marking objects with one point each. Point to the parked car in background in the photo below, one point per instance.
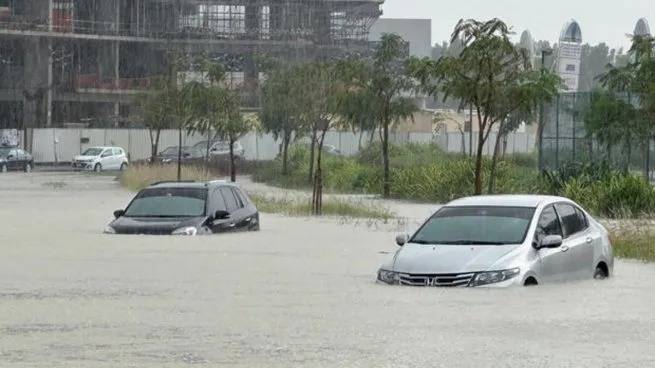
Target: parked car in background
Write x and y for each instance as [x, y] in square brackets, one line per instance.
[220, 150]
[171, 154]
[502, 241]
[101, 158]
[187, 208]
[12, 158]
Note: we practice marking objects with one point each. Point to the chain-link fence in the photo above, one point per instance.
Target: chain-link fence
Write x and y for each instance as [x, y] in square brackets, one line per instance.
[565, 140]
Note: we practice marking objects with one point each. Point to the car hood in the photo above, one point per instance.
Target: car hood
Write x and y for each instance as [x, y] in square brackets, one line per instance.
[153, 225]
[438, 259]
[80, 157]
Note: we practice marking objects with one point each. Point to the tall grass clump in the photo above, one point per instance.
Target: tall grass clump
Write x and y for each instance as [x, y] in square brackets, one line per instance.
[635, 245]
[331, 207]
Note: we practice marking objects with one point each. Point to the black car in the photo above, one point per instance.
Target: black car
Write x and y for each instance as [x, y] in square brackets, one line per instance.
[187, 208]
[170, 155]
[12, 158]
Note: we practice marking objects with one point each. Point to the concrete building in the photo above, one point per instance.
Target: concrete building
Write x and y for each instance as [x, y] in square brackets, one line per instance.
[418, 32]
[570, 55]
[84, 61]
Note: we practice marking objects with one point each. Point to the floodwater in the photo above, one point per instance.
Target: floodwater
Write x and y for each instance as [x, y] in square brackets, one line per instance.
[300, 293]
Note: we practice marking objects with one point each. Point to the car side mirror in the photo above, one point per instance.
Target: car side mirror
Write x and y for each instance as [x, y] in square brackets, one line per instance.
[402, 239]
[221, 215]
[551, 241]
[10, 156]
[119, 213]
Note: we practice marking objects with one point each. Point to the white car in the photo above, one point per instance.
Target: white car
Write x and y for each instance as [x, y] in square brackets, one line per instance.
[101, 158]
[502, 241]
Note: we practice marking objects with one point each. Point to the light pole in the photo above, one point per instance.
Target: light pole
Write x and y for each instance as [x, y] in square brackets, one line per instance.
[540, 129]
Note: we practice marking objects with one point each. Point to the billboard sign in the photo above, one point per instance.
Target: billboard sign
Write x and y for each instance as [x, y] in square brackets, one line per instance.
[8, 137]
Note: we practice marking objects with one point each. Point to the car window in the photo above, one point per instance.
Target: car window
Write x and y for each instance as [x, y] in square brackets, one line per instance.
[217, 202]
[571, 223]
[470, 225]
[13, 153]
[239, 197]
[583, 218]
[118, 151]
[106, 153]
[168, 202]
[230, 200]
[548, 223]
[92, 152]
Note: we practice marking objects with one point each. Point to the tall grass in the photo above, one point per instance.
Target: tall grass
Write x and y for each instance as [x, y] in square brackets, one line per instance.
[331, 207]
[635, 245]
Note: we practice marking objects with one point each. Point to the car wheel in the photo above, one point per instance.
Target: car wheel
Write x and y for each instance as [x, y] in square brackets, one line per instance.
[97, 168]
[3, 168]
[123, 166]
[28, 167]
[600, 273]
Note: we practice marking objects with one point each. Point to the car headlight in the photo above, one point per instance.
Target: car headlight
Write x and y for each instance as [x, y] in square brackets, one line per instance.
[189, 230]
[494, 277]
[388, 277]
[109, 230]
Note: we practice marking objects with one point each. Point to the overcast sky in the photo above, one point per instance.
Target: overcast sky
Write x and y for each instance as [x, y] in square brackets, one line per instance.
[600, 21]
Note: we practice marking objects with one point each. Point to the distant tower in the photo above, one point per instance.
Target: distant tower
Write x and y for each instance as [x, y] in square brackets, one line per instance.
[569, 56]
[527, 43]
[642, 28]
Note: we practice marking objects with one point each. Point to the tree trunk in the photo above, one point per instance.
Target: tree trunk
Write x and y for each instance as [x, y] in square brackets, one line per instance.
[359, 144]
[209, 135]
[461, 131]
[317, 193]
[285, 154]
[179, 154]
[233, 168]
[478, 163]
[154, 145]
[629, 156]
[494, 162]
[372, 137]
[386, 192]
[311, 156]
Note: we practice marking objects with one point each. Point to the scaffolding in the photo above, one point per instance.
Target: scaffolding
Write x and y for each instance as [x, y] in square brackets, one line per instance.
[62, 61]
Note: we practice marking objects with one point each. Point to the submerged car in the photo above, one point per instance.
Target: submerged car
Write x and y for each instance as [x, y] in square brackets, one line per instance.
[101, 158]
[187, 208]
[12, 158]
[502, 241]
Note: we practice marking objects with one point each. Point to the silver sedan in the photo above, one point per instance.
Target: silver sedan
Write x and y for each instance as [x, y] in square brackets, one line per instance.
[502, 241]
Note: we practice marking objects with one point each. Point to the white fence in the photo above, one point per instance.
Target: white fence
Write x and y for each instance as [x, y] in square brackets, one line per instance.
[60, 145]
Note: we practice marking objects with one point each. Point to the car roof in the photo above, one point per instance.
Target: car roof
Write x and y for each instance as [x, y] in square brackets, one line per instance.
[513, 200]
[191, 184]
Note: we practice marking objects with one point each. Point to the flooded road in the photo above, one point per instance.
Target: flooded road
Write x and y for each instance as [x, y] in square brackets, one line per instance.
[300, 293]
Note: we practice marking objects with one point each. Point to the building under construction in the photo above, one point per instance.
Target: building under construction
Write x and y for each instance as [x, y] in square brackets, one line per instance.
[69, 62]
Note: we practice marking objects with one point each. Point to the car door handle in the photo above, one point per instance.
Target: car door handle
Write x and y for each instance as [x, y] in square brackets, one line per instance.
[232, 224]
[564, 248]
[589, 239]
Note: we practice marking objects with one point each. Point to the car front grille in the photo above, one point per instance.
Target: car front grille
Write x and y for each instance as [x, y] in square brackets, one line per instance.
[439, 280]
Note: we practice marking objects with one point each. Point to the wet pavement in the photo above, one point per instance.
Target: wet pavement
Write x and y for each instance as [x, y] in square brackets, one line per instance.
[300, 293]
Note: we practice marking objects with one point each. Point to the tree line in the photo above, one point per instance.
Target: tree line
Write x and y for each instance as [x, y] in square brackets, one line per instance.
[372, 94]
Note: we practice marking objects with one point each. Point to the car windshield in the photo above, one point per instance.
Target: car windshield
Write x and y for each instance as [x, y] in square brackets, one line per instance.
[92, 152]
[168, 202]
[4, 152]
[173, 150]
[473, 225]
